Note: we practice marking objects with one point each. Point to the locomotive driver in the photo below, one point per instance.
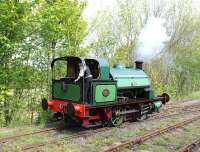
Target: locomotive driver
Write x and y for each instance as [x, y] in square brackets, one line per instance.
[86, 74]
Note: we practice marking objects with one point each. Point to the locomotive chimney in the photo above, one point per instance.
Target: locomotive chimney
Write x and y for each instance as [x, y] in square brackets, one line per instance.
[138, 65]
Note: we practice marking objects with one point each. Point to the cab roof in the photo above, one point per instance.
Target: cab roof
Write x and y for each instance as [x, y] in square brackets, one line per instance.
[103, 64]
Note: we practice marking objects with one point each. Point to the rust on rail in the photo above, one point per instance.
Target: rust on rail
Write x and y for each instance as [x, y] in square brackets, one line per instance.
[69, 138]
[6, 139]
[140, 139]
[85, 134]
[190, 146]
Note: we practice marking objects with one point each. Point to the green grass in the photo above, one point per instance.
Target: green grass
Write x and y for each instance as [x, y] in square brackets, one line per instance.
[102, 141]
[159, 141]
[191, 96]
[136, 132]
[172, 141]
[17, 131]
[194, 95]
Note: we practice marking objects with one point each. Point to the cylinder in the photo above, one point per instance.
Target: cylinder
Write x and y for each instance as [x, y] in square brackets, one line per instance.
[157, 104]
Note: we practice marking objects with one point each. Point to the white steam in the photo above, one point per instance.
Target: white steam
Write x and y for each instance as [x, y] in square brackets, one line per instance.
[152, 39]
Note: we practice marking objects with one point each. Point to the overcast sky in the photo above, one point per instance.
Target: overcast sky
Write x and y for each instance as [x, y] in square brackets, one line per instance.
[99, 5]
[94, 6]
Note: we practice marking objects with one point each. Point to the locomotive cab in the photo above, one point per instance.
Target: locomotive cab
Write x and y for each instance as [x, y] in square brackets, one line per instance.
[65, 71]
[68, 86]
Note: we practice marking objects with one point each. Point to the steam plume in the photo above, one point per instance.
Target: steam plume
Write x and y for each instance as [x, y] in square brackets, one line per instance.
[151, 39]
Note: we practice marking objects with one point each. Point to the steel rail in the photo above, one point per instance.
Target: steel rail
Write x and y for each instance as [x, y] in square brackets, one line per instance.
[76, 135]
[161, 116]
[86, 133]
[7, 139]
[190, 146]
[141, 139]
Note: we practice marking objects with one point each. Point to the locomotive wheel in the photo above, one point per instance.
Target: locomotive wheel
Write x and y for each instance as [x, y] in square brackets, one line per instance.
[70, 122]
[57, 116]
[143, 117]
[117, 120]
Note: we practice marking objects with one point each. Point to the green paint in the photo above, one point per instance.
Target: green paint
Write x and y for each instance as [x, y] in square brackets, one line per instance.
[71, 93]
[151, 94]
[104, 69]
[99, 97]
[100, 100]
[129, 77]
[132, 82]
[158, 104]
[123, 72]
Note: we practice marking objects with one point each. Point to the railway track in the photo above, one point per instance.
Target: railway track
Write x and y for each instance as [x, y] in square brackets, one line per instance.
[10, 138]
[140, 139]
[77, 135]
[178, 110]
[173, 108]
[189, 147]
[90, 132]
[182, 111]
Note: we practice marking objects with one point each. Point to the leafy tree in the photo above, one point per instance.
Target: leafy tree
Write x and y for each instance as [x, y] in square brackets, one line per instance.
[175, 70]
[32, 33]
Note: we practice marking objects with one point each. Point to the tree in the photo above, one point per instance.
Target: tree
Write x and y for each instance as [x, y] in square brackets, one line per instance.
[32, 33]
[172, 71]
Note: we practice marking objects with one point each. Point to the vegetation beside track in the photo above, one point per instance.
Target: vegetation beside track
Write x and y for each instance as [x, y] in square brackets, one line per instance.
[191, 96]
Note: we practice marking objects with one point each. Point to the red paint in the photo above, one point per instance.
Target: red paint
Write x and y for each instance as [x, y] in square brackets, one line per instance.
[60, 106]
[108, 113]
[55, 105]
[86, 122]
[96, 117]
[80, 110]
[81, 113]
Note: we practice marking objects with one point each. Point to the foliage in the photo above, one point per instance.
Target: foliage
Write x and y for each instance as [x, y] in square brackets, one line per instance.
[32, 33]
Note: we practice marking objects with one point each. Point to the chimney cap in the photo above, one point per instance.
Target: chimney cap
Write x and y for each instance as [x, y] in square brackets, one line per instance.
[138, 61]
[138, 65]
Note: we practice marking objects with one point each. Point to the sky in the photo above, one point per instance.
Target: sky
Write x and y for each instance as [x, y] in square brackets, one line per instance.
[94, 6]
[97, 5]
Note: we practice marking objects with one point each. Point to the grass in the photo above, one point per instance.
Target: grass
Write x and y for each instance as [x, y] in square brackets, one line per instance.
[17, 131]
[191, 96]
[174, 140]
[149, 148]
[159, 141]
[102, 141]
[136, 132]
[17, 144]
[95, 143]
[194, 95]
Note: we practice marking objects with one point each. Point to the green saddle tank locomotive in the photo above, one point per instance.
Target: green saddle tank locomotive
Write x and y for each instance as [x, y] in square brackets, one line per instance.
[91, 93]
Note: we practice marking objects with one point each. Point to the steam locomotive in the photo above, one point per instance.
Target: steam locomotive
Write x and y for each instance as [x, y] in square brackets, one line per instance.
[91, 93]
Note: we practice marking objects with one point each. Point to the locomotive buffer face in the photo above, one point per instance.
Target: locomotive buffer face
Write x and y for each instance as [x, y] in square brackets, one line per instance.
[88, 92]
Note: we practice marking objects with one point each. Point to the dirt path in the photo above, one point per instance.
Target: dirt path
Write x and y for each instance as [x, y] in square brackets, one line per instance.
[190, 103]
